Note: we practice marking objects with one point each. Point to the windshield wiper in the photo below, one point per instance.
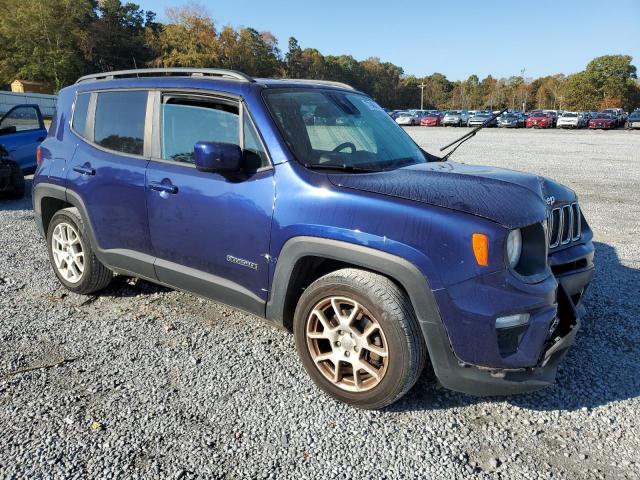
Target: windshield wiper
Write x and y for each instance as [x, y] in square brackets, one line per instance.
[469, 135]
[346, 168]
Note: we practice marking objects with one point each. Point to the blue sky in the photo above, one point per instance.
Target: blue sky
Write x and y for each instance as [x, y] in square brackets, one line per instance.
[456, 37]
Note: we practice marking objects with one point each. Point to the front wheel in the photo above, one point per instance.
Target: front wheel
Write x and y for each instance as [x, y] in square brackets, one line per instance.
[71, 255]
[358, 338]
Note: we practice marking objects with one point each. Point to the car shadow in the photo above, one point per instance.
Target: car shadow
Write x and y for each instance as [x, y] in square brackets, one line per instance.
[125, 286]
[602, 367]
[23, 203]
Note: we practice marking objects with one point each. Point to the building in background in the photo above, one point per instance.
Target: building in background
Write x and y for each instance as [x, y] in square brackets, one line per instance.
[28, 86]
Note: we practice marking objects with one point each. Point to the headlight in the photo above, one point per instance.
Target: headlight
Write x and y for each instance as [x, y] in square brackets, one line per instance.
[514, 247]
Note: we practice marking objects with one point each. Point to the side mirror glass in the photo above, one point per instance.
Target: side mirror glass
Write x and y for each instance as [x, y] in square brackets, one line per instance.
[217, 157]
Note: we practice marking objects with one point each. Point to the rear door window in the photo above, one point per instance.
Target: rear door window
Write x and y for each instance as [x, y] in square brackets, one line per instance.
[120, 120]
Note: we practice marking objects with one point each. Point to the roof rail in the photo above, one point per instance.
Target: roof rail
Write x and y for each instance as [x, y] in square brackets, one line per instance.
[329, 83]
[193, 72]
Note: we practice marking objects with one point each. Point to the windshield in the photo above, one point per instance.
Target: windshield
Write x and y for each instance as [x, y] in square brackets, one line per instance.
[333, 128]
[483, 115]
[634, 116]
[569, 115]
[603, 115]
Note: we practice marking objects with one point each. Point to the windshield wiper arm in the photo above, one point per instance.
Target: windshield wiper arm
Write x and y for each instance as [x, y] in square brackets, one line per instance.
[469, 135]
[346, 168]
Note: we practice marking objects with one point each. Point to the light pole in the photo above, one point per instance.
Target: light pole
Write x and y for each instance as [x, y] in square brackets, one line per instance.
[422, 86]
[524, 91]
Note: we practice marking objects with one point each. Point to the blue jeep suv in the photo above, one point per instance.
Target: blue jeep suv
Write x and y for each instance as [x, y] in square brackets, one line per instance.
[304, 203]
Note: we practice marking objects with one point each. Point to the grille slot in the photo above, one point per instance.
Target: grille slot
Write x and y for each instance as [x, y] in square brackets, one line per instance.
[564, 225]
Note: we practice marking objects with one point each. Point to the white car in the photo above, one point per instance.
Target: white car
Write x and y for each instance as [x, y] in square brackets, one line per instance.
[570, 120]
[407, 119]
[634, 120]
[458, 118]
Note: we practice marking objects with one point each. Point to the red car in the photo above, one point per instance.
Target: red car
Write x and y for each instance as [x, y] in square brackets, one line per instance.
[606, 121]
[539, 120]
[431, 120]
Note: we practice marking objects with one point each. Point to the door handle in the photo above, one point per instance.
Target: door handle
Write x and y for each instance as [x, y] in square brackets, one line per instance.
[85, 170]
[163, 188]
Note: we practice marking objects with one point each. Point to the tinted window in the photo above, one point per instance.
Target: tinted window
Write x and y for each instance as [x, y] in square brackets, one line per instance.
[254, 154]
[80, 113]
[186, 121]
[119, 122]
[22, 118]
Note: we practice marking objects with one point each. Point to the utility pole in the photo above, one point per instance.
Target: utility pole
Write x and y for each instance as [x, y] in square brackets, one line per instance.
[422, 86]
[524, 90]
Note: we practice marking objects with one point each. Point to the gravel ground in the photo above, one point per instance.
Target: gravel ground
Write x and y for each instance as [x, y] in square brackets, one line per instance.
[152, 383]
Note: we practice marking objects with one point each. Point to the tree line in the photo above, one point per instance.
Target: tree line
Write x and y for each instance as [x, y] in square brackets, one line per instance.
[57, 41]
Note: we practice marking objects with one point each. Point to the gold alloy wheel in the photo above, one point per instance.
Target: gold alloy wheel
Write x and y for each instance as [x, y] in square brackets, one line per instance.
[347, 344]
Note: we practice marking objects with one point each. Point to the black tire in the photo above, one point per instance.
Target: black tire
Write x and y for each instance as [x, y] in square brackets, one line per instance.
[393, 311]
[17, 181]
[95, 275]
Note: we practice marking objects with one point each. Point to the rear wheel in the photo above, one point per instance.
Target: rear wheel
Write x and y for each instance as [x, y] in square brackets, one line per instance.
[71, 255]
[358, 338]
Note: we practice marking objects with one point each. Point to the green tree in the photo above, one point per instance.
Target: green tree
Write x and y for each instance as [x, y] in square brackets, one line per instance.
[44, 40]
[293, 60]
[188, 40]
[437, 92]
[117, 38]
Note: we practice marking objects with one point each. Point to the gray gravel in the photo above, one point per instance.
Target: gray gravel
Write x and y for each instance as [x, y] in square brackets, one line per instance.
[159, 384]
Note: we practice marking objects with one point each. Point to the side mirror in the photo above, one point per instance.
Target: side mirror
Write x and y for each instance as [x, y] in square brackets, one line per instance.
[217, 157]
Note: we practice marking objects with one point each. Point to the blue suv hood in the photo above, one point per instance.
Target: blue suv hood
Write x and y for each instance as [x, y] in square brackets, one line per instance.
[512, 199]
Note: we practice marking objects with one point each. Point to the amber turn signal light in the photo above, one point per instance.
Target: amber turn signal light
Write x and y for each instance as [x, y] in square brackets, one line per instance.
[480, 244]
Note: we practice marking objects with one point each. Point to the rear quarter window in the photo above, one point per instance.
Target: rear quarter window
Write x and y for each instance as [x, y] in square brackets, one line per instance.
[79, 122]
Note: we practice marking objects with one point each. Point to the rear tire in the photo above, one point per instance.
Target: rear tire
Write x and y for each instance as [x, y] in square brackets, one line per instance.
[365, 347]
[17, 180]
[71, 255]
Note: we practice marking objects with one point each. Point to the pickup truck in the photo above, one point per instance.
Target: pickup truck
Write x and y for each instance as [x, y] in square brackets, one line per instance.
[21, 131]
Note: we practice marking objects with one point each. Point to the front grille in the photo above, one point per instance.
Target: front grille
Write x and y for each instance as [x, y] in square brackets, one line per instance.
[564, 225]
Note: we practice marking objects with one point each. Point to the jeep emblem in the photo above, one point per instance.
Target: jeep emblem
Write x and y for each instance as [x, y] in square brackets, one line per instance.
[550, 200]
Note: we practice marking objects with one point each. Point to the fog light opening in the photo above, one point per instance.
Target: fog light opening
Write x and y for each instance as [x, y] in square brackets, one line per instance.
[511, 321]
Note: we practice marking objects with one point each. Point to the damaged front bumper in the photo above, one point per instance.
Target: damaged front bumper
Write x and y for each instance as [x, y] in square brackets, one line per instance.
[541, 349]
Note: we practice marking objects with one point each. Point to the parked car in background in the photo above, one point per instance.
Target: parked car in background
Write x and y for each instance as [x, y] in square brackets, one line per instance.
[554, 114]
[570, 120]
[480, 118]
[407, 119]
[604, 121]
[455, 118]
[633, 121]
[431, 120]
[617, 114]
[21, 131]
[510, 120]
[539, 120]
[212, 184]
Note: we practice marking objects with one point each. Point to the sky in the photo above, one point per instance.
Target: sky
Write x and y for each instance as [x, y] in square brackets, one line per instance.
[454, 37]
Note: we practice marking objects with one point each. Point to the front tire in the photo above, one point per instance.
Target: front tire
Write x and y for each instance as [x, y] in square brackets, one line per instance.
[71, 255]
[358, 338]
